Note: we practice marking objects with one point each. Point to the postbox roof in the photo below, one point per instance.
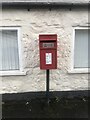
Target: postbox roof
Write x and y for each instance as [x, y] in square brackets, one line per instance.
[46, 37]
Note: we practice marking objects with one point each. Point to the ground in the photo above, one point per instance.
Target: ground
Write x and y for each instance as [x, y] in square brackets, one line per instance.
[41, 108]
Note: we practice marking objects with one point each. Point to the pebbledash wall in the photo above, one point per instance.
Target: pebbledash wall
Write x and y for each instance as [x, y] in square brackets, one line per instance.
[32, 23]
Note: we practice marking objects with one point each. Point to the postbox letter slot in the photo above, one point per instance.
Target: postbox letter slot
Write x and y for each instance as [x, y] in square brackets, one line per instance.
[48, 45]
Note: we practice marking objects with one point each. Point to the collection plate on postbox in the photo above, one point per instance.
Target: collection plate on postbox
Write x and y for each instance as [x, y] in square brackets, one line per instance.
[48, 51]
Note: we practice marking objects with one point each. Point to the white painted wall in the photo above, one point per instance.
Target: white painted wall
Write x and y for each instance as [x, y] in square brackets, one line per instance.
[32, 23]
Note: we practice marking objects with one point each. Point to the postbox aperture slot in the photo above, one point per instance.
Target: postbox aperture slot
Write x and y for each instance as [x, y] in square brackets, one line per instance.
[48, 45]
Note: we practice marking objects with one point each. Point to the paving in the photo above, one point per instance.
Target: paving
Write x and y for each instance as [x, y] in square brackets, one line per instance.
[43, 108]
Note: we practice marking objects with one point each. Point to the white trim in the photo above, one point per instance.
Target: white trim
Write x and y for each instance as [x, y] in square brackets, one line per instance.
[82, 70]
[84, 27]
[10, 73]
[15, 72]
[20, 50]
[72, 69]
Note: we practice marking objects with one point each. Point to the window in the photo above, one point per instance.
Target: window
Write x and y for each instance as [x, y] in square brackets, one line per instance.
[80, 50]
[10, 59]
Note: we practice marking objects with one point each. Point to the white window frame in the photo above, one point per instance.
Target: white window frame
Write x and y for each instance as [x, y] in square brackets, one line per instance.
[72, 69]
[21, 70]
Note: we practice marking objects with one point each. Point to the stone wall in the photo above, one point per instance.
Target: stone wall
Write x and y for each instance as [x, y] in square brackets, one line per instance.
[32, 23]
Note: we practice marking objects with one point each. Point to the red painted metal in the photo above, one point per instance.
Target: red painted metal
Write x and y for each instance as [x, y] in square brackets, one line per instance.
[48, 51]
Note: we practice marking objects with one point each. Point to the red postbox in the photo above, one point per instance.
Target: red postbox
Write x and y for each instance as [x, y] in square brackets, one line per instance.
[48, 51]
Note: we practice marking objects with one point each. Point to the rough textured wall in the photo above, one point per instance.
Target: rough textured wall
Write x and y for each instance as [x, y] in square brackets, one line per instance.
[34, 22]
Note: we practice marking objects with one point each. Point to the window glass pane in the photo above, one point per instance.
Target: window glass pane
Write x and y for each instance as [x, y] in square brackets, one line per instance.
[0, 49]
[81, 49]
[9, 45]
[89, 48]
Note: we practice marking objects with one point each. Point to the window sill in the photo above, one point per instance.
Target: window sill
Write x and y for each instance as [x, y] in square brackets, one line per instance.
[12, 73]
[82, 71]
